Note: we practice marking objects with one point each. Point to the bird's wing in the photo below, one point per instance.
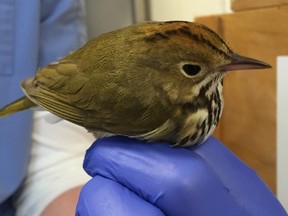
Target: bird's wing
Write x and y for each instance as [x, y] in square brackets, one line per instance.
[52, 88]
[96, 101]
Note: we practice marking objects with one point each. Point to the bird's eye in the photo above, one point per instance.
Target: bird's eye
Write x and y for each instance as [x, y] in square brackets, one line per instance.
[190, 70]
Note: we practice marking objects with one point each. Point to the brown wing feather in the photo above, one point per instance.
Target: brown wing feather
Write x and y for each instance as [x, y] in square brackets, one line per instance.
[52, 88]
[97, 102]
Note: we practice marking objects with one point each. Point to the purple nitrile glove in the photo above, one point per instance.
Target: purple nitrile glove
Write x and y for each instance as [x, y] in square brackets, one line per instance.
[132, 177]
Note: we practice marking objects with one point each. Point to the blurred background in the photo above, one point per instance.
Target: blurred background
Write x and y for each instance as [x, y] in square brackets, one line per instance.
[254, 124]
[107, 15]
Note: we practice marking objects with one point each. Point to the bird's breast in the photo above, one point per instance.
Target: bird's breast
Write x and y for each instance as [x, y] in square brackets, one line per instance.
[201, 118]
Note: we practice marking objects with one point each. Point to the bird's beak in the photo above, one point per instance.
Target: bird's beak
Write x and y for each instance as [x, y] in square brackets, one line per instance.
[243, 63]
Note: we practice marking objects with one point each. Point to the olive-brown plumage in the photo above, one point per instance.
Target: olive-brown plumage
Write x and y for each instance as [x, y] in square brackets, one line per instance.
[154, 81]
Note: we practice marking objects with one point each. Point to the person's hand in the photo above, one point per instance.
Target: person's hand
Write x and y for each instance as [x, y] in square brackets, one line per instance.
[132, 177]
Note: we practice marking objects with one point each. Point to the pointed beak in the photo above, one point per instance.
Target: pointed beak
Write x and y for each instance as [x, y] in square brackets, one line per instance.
[243, 63]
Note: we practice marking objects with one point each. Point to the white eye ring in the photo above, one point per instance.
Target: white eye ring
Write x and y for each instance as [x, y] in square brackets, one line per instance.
[190, 69]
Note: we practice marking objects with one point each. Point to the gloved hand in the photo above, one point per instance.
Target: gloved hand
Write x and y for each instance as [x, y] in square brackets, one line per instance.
[132, 178]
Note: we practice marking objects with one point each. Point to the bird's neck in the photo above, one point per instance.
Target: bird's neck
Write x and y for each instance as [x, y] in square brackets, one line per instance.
[202, 114]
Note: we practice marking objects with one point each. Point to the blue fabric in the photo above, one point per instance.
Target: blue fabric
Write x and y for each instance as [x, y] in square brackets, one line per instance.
[32, 34]
[133, 177]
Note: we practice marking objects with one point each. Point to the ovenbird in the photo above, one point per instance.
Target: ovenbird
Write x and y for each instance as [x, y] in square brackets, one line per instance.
[153, 81]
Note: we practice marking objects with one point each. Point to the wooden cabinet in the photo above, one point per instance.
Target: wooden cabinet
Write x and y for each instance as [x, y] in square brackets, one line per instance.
[242, 5]
[248, 124]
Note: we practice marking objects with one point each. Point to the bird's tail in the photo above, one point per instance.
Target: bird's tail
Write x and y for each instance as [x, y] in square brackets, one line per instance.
[16, 106]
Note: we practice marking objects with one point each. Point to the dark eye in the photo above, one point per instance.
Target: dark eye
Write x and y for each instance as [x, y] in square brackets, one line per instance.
[191, 69]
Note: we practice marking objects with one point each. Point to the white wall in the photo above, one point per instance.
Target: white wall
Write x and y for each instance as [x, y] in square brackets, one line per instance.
[282, 130]
[186, 9]
[104, 16]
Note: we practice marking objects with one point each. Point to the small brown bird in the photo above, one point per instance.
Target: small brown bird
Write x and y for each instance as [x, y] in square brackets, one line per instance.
[153, 81]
